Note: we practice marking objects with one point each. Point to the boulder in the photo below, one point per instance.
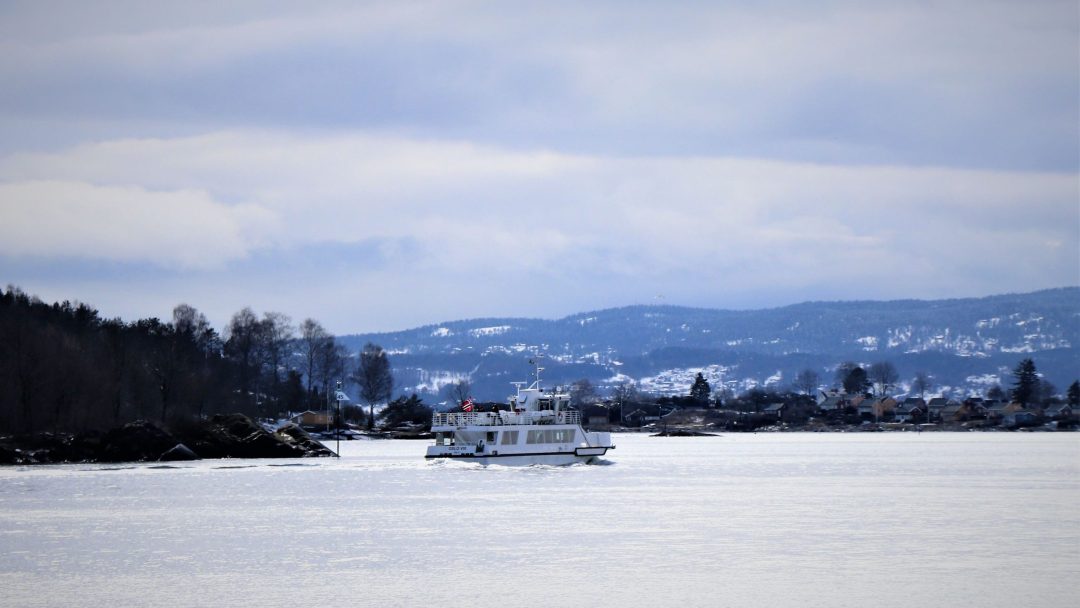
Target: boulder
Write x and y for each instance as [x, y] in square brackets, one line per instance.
[10, 455]
[177, 453]
[298, 437]
[135, 441]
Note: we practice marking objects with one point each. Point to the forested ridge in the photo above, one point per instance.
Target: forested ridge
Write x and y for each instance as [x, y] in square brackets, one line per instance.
[64, 368]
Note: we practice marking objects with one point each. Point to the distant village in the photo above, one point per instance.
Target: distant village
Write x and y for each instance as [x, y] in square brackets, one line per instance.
[835, 410]
[853, 406]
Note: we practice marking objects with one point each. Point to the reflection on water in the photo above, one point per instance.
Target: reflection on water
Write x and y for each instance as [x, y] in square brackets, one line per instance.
[741, 520]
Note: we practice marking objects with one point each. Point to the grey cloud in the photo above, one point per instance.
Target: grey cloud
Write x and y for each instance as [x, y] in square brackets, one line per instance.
[990, 85]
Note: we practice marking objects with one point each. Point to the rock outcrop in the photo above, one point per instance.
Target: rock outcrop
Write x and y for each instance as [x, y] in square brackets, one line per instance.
[222, 436]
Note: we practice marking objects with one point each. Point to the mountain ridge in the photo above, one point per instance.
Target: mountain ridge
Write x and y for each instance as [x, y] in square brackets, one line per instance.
[981, 336]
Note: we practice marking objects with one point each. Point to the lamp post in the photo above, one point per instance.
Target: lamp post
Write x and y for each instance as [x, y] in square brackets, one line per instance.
[338, 421]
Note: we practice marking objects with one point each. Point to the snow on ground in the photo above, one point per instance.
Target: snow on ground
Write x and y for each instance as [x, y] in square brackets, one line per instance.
[489, 331]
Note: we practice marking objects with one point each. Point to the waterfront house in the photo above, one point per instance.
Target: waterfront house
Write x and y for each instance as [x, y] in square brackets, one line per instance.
[774, 411]
[310, 419]
[911, 402]
[935, 405]
[595, 416]
[635, 418]
[910, 412]
[996, 410]
[833, 401]
[1058, 411]
[876, 409]
[1019, 418]
[957, 412]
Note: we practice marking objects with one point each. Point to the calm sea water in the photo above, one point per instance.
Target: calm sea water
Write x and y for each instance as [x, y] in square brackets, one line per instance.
[936, 519]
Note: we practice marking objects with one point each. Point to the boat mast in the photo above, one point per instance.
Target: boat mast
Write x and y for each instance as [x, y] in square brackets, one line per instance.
[535, 362]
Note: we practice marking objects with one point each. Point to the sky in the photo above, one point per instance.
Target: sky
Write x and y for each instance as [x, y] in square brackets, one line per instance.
[384, 165]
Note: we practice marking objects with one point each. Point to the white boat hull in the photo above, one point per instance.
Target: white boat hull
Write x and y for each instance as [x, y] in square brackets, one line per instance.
[517, 460]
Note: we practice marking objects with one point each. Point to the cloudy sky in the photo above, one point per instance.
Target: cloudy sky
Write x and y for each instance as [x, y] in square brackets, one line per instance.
[383, 165]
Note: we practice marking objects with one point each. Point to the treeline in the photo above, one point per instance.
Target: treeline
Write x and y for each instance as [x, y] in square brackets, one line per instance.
[64, 368]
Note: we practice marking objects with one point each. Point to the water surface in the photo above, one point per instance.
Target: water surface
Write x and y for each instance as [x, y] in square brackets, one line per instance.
[885, 519]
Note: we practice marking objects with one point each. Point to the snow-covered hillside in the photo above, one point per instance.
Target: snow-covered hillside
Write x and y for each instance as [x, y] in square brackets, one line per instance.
[967, 344]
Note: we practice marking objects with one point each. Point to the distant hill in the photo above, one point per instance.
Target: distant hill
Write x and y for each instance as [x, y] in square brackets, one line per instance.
[965, 344]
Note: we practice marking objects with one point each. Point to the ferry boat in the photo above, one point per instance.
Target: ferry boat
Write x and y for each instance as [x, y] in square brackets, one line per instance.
[539, 428]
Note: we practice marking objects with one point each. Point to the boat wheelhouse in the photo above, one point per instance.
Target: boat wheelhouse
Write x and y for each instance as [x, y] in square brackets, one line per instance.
[538, 428]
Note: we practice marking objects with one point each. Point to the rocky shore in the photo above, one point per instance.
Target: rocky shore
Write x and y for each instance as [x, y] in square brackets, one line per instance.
[221, 436]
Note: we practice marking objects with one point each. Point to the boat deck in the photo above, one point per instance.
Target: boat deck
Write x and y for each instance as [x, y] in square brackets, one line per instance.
[460, 419]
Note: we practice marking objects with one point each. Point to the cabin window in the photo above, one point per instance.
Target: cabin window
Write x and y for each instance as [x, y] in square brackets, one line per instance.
[491, 437]
[551, 436]
[509, 437]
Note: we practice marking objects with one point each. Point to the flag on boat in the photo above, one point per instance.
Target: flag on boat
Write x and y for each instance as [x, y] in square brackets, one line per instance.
[467, 405]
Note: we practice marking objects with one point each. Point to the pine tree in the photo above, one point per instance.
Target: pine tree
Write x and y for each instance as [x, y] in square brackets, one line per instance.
[1026, 384]
[1074, 393]
[700, 390]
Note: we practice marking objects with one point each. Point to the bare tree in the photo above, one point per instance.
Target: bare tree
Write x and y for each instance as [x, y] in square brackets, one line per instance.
[374, 377]
[187, 320]
[582, 393]
[807, 382]
[459, 391]
[313, 339]
[192, 325]
[922, 384]
[883, 375]
[242, 346]
[330, 364]
[623, 394]
[278, 334]
[1048, 393]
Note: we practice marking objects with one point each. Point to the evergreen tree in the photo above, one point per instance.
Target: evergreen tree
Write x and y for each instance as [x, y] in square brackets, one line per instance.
[410, 410]
[856, 382]
[1026, 384]
[1074, 393]
[700, 390]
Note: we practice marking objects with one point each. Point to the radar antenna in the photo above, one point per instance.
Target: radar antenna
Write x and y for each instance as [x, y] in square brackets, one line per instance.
[535, 362]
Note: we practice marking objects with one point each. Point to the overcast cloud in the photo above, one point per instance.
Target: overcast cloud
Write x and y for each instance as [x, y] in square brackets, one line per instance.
[383, 165]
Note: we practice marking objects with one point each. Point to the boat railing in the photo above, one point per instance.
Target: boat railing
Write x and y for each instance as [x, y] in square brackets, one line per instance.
[504, 418]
